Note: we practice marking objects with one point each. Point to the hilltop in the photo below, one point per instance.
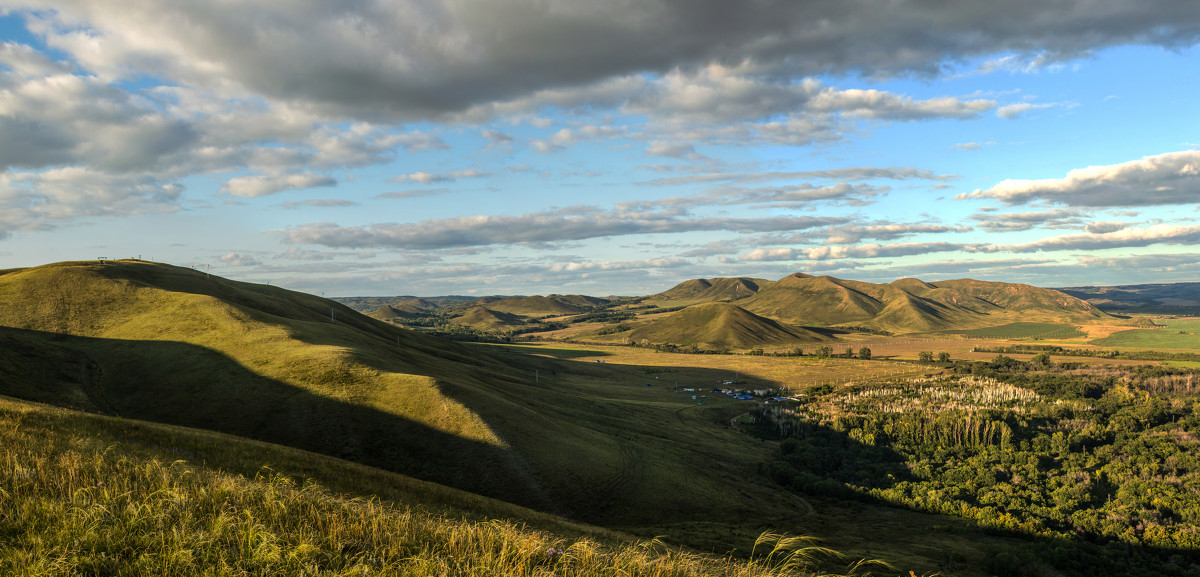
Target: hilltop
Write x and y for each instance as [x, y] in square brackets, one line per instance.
[721, 326]
[796, 308]
[173, 345]
[710, 290]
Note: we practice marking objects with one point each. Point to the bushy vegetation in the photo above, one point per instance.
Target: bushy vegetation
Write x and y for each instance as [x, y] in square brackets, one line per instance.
[1097, 466]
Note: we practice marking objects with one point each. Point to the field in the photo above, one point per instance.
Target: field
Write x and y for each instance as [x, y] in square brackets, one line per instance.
[1176, 334]
[707, 371]
[1023, 330]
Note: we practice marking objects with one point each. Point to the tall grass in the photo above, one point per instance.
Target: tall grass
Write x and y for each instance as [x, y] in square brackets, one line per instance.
[77, 500]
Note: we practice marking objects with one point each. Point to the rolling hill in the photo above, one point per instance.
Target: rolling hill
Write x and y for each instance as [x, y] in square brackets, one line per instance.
[1161, 298]
[172, 345]
[720, 326]
[912, 305]
[483, 318]
[542, 306]
[710, 290]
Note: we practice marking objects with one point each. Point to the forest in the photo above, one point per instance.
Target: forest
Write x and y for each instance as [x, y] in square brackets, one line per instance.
[1092, 466]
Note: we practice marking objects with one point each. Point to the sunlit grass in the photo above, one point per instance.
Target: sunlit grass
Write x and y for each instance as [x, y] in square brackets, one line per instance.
[86, 502]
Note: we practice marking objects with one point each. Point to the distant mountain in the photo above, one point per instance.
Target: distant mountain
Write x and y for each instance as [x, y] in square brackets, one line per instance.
[409, 304]
[483, 318]
[391, 313]
[912, 305]
[712, 290]
[720, 326]
[1171, 298]
[542, 306]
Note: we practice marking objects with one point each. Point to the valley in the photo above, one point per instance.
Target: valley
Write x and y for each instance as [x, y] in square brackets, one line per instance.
[612, 435]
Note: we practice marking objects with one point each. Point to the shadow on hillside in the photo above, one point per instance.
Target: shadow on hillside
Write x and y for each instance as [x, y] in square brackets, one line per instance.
[192, 386]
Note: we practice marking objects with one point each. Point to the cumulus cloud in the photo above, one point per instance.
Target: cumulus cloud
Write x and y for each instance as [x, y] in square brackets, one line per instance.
[1171, 178]
[1014, 110]
[568, 137]
[842, 252]
[424, 177]
[408, 60]
[319, 203]
[847, 174]
[776, 196]
[31, 201]
[262, 185]
[533, 228]
[1018, 221]
[1122, 238]
[238, 259]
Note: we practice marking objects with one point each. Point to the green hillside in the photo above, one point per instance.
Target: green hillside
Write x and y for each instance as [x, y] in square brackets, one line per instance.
[720, 326]
[914, 306]
[391, 313]
[541, 306]
[92, 495]
[172, 345]
[484, 318]
[709, 290]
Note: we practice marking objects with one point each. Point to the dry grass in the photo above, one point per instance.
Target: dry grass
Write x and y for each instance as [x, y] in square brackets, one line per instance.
[77, 500]
[785, 372]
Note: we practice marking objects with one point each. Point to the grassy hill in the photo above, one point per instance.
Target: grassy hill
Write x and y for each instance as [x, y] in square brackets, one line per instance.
[709, 290]
[391, 313]
[720, 326]
[542, 306]
[914, 306]
[88, 494]
[483, 318]
[172, 345]
[1156, 298]
[408, 304]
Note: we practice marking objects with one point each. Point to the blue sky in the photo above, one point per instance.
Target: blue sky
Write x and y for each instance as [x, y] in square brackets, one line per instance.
[386, 148]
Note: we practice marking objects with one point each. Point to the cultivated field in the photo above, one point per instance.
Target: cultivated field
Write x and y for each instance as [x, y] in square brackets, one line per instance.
[1176, 334]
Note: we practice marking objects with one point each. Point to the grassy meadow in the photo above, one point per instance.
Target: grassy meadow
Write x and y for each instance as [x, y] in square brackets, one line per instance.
[597, 447]
[1175, 334]
[91, 495]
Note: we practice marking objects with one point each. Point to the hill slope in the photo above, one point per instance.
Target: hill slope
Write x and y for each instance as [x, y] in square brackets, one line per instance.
[481, 317]
[541, 306]
[168, 344]
[711, 290]
[720, 326]
[173, 345]
[115, 484]
[911, 305]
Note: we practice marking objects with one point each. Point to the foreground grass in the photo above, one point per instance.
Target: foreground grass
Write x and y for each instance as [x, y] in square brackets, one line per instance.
[76, 499]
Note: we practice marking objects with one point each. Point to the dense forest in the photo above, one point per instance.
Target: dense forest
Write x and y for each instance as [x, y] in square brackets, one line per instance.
[1095, 465]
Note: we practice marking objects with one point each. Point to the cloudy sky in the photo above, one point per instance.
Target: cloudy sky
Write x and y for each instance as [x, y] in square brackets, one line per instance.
[430, 147]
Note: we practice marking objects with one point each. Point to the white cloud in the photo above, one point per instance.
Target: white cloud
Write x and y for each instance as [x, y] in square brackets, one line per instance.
[238, 259]
[1172, 178]
[532, 229]
[424, 177]
[262, 185]
[1122, 238]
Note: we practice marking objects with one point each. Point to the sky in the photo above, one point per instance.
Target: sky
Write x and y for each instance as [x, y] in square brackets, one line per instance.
[474, 147]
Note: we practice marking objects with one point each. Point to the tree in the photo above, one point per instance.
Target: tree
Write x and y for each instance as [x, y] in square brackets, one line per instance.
[849, 353]
[824, 352]
[1041, 359]
[864, 353]
[943, 357]
[925, 356]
